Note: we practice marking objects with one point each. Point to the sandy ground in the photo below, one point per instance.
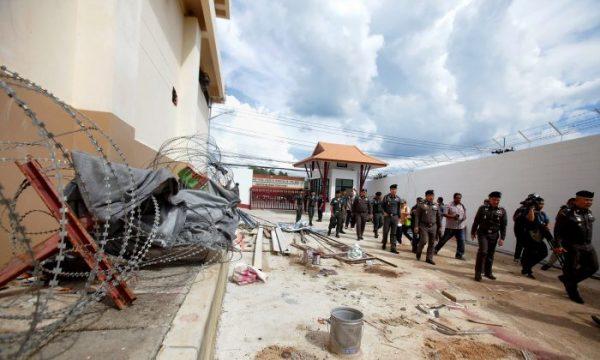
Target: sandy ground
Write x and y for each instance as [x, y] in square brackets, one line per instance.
[279, 319]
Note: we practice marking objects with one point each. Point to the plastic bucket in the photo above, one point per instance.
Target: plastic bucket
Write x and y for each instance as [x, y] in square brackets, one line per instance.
[345, 331]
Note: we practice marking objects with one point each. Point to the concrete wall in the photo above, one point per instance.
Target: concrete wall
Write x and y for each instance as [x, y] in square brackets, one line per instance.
[120, 57]
[554, 171]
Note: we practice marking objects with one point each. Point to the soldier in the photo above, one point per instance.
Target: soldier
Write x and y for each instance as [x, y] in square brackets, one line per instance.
[345, 204]
[337, 214]
[391, 211]
[377, 212]
[310, 205]
[490, 227]
[428, 223]
[349, 201]
[361, 208]
[320, 208]
[299, 204]
[574, 235]
[413, 214]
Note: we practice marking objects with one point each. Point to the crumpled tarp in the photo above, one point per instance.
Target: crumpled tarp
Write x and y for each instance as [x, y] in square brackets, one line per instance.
[205, 217]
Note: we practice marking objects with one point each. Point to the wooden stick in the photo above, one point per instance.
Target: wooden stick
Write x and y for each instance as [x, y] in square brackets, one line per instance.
[258, 246]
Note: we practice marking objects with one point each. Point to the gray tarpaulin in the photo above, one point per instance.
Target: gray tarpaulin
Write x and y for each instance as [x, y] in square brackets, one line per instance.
[205, 217]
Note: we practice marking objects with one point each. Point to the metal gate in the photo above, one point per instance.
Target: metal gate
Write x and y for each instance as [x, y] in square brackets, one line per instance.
[273, 198]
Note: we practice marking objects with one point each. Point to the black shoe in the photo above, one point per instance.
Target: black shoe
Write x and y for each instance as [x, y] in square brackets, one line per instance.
[394, 251]
[435, 251]
[337, 235]
[418, 257]
[478, 278]
[546, 267]
[517, 260]
[430, 262]
[490, 276]
[460, 258]
[414, 250]
[530, 275]
[383, 247]
[376, 235]
[342, 232]
[574, 296]
[329, 232]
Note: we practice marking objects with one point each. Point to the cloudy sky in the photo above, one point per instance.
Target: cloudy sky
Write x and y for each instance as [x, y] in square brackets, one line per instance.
[402, 78]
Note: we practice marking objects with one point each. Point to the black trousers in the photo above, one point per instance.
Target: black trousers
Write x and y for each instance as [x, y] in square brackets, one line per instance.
[337, 221]
[533, 253]
[360, 219]
[298, 214]
[426, 236]
[349, 218]
[519, 246]
[485, 253]
[377, 222]
[403, 230]
[311, 214]
[390, 225]
[459, 234]
[581, 262]
[319, 215]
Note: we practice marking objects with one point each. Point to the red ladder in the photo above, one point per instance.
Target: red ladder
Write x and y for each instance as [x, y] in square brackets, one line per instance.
[77, 235]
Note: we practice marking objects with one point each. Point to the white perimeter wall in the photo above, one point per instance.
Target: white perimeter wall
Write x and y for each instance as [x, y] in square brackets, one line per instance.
[122, 57]
[554, 171]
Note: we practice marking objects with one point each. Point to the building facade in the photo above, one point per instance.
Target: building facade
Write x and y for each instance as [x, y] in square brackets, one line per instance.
[333, 167]
[146, 68]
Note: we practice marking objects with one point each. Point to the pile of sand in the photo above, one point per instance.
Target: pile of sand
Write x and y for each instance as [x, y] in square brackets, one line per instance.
[276, 352]
[468, 349]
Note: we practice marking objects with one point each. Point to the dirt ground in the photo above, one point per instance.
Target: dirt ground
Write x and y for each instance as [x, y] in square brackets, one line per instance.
[524, 318]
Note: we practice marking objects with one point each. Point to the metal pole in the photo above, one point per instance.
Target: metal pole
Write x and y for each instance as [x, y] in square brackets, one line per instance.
[556, 129]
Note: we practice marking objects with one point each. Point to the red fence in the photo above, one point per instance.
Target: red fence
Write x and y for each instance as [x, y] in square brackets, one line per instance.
[273, 198]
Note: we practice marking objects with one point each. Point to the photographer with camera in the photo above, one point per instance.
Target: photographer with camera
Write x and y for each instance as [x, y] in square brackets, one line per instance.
[532, 223]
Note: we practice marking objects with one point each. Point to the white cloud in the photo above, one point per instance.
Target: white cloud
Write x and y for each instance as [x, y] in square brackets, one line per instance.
[457, 72]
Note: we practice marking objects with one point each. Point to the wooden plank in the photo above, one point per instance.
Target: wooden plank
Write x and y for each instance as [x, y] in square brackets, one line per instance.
[275, 242]
[207, 346]
[284, 243]
[258, 246]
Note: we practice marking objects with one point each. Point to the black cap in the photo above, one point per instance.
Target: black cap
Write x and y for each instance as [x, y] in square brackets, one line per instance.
[378, 193]
[429, 192]
[585, 194]
[495, 194]
[394, 186]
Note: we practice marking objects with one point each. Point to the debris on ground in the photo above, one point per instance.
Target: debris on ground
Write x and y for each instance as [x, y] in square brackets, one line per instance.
[276, 352]
[401, 320]
[458, 297]
[468, 349]
[244, 274]
[326, 272]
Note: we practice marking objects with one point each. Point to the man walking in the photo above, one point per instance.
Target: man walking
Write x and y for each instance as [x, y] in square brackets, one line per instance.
[337, 215]
[391, 211]
[377, 210]
[428, 224]
[562, 211]
[413, 216]
[536, 230]
[489, 226]
[320, 208]
[349, 201]
[456, 222]
[361, 208]
[299, 205]
[574, 233]
[310, 205]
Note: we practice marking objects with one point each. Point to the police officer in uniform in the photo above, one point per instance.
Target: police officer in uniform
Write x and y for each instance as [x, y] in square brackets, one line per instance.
[310, 204]
[413, 215]
[490, 227]
[391, 211]
[320, 209]
[337, 214]
[428, 223]
[574, 233]
[361, 209]
[299, 204]
[377, 211]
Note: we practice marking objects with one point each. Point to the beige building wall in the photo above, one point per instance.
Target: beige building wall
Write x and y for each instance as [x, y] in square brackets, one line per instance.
[120, 57]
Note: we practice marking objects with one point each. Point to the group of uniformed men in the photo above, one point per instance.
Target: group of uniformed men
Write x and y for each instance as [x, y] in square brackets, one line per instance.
[571, 241]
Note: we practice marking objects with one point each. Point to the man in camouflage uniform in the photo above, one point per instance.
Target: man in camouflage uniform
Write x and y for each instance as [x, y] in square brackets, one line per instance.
[337, 214]
[310, 205]
[377, 211]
